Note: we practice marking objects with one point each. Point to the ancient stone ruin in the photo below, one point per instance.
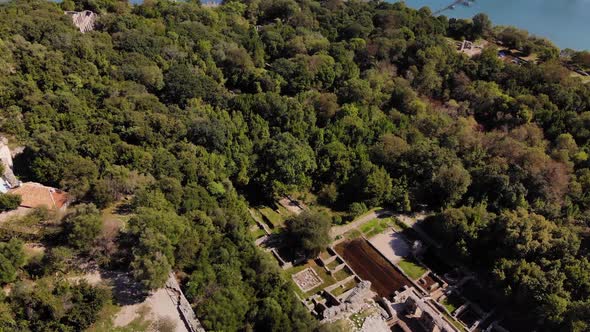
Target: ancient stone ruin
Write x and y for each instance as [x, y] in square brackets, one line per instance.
[307, 279]
[354, 302]
[83, 20]
[413, 306]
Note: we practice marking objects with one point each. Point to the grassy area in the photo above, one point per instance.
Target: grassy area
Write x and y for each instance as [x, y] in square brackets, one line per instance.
[451, 303]
[375, 231]
[33, 254]
[30, 223]
[585, 79]
[333, 264]
[359, 318]
[325, 255]
[342, 325]
[412, 269]
[352, 234]
[333, 215]
[256, 216]
[369, 225]
[343, 289]
[272, 218]
[449, 306]
[376, 226]
[283, 211]
[258, 233]
[453, 321]
[115, 218]
[342, 274]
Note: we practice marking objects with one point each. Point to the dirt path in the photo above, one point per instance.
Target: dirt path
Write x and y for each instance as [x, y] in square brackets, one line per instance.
[340, 230]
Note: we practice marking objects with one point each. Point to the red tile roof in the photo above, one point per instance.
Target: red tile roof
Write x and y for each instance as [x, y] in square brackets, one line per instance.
[37, 195]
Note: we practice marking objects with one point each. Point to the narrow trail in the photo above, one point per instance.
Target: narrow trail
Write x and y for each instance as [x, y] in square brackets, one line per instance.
[340, 230]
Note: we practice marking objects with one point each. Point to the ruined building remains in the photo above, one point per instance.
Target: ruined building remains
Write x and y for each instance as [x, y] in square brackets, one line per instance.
[83, 20]
[410, 304]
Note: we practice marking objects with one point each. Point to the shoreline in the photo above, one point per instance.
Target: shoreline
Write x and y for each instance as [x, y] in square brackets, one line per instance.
[564, 25]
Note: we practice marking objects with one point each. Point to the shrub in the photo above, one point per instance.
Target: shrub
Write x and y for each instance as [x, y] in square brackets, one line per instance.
[9, 202]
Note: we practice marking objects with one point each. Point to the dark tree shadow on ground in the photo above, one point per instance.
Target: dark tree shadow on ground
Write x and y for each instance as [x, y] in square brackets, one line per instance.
[124, 208]
[383, 213]
[126, 291]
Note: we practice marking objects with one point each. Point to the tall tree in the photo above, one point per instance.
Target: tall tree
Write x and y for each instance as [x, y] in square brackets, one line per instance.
[309, 233]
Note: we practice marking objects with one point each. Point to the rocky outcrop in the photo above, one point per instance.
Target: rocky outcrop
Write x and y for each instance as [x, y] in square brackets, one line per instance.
[83, 20]
[182, 305]
[6, 160]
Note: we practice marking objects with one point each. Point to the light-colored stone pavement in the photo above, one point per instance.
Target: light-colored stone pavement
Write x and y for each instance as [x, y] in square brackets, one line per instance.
[392, 245]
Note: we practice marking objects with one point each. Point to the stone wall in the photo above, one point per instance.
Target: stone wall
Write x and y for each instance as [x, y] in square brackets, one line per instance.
[183, 306]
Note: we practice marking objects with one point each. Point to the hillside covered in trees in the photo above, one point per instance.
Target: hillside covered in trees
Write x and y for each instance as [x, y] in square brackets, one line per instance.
[197, 112]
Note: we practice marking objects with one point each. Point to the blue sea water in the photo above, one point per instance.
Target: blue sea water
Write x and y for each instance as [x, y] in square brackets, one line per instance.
[565, 22]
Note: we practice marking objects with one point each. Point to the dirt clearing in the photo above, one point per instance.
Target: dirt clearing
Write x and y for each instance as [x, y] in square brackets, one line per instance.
[371, 266]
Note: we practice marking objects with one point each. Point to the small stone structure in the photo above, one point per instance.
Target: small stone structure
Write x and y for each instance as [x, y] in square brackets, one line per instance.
[83, 20]
[307, 279]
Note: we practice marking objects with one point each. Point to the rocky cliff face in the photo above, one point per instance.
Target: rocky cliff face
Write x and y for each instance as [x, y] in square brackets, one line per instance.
[6, 159]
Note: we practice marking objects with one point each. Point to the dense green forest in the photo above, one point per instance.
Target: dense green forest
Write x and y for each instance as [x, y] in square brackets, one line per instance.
[198, 112]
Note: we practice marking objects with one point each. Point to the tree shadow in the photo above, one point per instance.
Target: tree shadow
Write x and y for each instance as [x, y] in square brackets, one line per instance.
[126, 291]
[124, 208]
[399, 245]
[383, 213]
[22, 166]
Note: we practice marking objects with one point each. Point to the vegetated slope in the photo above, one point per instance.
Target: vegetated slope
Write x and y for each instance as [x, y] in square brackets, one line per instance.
[188, 108]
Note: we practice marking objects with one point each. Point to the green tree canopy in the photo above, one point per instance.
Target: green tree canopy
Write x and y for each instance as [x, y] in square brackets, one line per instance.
[309, 233]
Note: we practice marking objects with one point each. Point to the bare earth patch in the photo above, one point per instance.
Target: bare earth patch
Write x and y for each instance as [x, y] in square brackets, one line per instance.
[370, 265]
[293, 206]
[156, 307]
